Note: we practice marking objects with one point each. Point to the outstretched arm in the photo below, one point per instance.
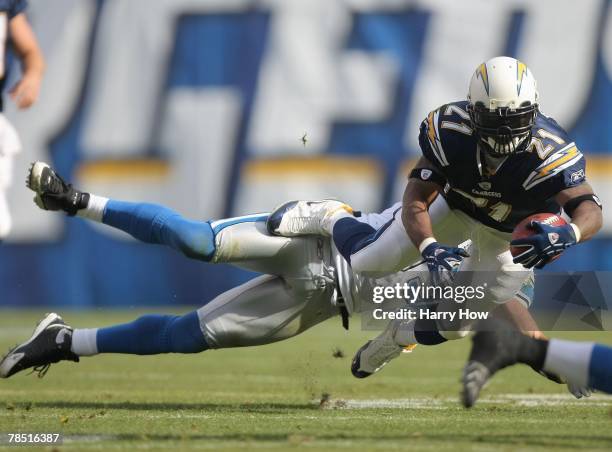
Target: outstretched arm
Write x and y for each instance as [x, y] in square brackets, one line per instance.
[418, 196]
[25, 92]
[423, 187]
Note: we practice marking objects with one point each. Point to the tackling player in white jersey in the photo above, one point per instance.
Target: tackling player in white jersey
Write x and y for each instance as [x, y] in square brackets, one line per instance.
[303, 283]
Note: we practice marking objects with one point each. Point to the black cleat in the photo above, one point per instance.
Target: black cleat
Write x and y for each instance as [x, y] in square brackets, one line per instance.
[497, 345]
[52, 192]
[50, 343]
[494, 347]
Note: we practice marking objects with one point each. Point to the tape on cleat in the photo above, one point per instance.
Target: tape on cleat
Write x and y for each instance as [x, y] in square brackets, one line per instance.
[408, 348]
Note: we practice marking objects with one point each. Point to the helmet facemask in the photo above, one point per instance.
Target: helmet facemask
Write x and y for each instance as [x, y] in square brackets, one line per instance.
[503, 131]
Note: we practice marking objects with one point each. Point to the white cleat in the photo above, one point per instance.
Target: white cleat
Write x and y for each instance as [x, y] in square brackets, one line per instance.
[296, 218]
[375, 354]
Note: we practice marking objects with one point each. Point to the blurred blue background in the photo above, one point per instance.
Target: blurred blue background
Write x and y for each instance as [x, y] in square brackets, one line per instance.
[201, 106]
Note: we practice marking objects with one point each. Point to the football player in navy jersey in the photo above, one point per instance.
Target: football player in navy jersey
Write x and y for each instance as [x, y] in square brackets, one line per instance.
[15, 29]
[487, 163]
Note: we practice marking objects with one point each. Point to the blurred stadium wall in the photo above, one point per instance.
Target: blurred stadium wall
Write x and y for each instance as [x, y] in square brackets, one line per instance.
[201, 105]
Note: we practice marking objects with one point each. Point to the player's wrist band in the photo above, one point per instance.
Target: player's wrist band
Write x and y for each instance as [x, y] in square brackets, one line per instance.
[425, 243]
[573, 203]
[427, 175]
[577, 232]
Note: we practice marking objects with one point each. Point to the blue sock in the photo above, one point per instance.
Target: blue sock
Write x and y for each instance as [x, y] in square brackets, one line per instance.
[153, 334]
[600, 368]
[152, 223]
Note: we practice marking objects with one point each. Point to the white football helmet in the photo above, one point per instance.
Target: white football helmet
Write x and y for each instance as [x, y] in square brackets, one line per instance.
[503, 105]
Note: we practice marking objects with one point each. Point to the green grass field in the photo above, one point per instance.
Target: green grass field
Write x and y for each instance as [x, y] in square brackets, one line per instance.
[290, 395]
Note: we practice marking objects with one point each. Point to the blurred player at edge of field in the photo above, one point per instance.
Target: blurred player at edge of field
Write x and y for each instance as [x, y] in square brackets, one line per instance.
[15, 30]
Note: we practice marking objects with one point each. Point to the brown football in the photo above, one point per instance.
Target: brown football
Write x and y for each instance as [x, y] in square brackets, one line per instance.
[521, 230]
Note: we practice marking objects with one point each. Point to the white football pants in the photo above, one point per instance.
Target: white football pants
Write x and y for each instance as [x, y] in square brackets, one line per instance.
[296, 292]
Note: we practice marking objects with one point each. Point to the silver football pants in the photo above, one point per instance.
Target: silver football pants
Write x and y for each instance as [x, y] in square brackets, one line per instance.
[294, 294]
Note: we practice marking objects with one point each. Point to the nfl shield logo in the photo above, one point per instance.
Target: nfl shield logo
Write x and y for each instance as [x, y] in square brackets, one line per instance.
[425, 174]
[485, 185]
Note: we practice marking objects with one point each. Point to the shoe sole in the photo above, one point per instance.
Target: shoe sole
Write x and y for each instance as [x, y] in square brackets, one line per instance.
[475, 377]
[356, 363]
[40, 327]
[34, 175]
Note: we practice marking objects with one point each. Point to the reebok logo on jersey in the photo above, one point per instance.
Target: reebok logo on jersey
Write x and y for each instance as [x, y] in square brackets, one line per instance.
[485, 185]
[577, 176]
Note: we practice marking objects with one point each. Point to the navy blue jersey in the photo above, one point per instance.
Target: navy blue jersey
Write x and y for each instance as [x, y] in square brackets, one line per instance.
[525, 183]
[8, 10]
